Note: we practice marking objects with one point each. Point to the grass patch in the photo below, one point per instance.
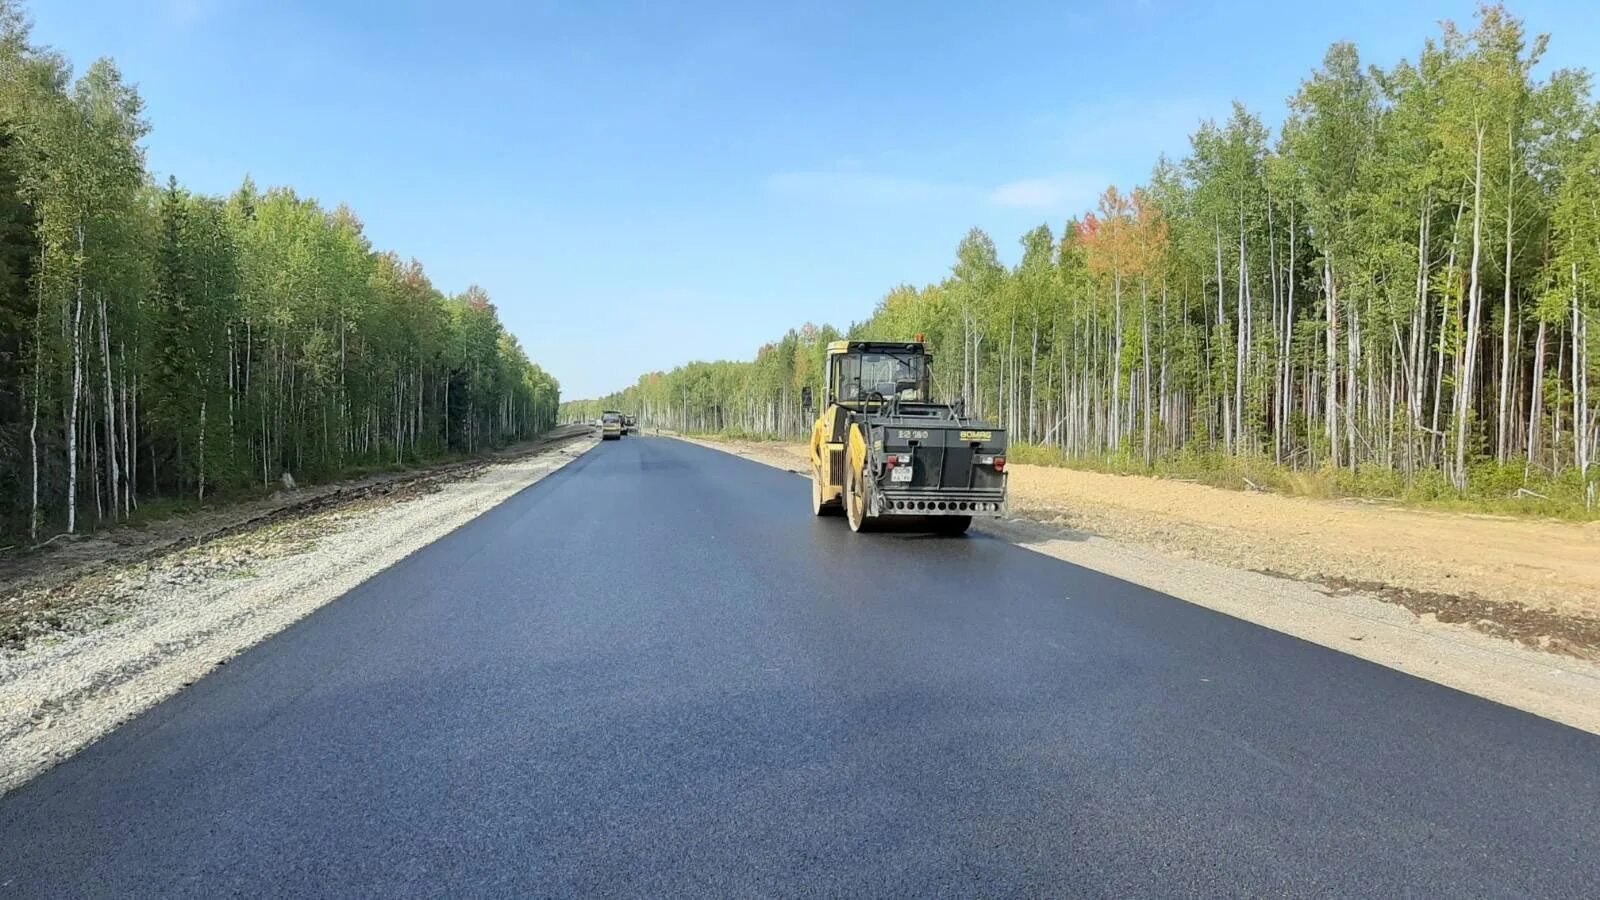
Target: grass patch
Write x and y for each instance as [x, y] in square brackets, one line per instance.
[1491, 488]
[738, 434]
[158, 508]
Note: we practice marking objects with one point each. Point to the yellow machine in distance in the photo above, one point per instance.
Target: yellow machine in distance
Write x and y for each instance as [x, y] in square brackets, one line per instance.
[881, 447]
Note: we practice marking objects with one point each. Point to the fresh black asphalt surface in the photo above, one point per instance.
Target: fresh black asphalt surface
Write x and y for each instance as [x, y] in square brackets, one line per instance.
[655, 674]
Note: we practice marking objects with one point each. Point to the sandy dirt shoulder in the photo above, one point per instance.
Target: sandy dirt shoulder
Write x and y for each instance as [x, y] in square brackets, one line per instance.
[93, 644]
[1506, 609]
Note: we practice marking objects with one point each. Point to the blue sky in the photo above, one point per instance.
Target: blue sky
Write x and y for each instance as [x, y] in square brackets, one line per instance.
[641, 184]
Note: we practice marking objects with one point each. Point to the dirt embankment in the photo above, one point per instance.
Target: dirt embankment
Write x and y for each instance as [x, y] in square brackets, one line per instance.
[87, 643]
[1533, 581]
[65, 558]
[1544, 564]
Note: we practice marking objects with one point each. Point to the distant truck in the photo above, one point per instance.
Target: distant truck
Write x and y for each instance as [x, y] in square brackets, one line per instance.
[630, 425]
[611, 427]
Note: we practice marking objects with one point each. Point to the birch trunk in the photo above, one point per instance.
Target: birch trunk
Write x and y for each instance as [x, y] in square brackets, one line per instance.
[113, 475]
[1115, 436]
[1502, 424]
[1033, 383]
[1580, 384]
[1288, 331]
[72, 414]
[1474, 302]
[201, 494]
[1144, 327]
[1437, 436]
[38, 387]
[1242, 346]
[127, 458]
[1351, 393]
[1222, 319]
[1416, 360]
[133, 446]
[1331, 404]
[1535, 400]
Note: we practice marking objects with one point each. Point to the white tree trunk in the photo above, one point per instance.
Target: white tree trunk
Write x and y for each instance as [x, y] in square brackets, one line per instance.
[38, 387]
[133, 447]
[1331, 404]
[1033, 379]
[1580, 383]
[129, 472]
[1474, 302]
[1222, 320]
[113, 474]
[72, 409]
[1144, 327]
[1116, 362]
[1241, 352]
[1437, 433]
[202, 491]
[1288, 332]
[1502, 423]
[1352, 394]
[1535, 400]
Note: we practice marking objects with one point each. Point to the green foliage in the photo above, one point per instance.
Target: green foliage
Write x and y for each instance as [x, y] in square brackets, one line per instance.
[157, 347]
[1390, 297]
[761, 397]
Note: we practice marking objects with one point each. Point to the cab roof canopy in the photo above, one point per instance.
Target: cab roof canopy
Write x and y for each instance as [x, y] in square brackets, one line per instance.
[835, 347]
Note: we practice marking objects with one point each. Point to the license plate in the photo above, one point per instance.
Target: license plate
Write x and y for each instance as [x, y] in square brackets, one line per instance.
[900, 474]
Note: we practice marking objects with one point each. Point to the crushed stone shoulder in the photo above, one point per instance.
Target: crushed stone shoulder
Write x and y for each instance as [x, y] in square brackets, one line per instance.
[156, 626]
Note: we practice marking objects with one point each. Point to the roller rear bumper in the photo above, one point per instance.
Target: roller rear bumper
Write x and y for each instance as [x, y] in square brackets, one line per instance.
[989, 503]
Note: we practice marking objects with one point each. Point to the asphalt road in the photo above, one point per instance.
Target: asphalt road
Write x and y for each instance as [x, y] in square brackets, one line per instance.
[655, 674]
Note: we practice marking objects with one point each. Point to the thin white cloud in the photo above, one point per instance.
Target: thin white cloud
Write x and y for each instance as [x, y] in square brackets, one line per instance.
[1122, 125]
[1088, 146]
[184, 13]
[858, 187]
[1062, 193]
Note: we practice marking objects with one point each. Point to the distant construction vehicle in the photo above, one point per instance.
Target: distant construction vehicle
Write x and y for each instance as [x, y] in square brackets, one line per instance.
[882, 449]
[611, 427]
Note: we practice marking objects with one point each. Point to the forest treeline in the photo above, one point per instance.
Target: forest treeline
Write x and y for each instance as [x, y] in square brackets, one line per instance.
[155, 342]
[1403, 277]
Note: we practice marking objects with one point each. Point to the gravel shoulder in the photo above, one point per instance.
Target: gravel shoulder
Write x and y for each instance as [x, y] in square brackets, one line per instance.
[1502, 608]
[87, 644]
